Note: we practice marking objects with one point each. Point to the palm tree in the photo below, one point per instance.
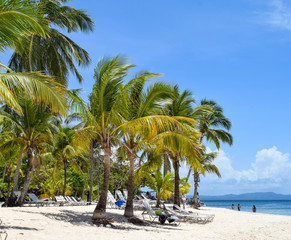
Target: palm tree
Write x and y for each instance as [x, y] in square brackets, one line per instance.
[142, 103]
[162, 185]
[206, 160]
[57, 54]
[209, 114]
[185, 147]
[110, 109]
[67, 147]
[18, 19]
[35, 133]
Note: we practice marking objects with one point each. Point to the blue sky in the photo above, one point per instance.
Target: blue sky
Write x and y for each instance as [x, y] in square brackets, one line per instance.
[237, 53]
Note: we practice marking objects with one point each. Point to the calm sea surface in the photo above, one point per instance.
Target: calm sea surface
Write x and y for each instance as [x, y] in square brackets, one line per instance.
[279, 207]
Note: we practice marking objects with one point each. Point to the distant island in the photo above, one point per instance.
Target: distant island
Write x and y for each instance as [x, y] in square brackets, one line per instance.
[248, 196]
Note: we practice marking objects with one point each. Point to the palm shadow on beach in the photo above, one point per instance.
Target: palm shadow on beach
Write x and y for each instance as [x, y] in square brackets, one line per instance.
[84, 219]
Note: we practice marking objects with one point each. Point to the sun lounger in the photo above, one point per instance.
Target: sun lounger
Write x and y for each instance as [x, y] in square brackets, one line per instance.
[125, 194]
[152, 215]
[111, 200]
[61, 201]
[149, 211]
[120, 195]
[210, 216]
[190, 217]
[38, 202]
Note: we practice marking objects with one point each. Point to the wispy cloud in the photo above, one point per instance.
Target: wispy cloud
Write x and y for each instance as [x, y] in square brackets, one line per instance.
[280, 15]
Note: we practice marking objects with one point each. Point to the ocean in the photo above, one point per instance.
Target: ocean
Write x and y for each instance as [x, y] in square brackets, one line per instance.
[279, 207]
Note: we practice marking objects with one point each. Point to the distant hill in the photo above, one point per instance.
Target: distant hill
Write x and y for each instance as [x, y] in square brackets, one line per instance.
[249, 196]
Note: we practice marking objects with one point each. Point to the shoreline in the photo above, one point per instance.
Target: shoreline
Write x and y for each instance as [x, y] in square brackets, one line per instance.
[74, 222]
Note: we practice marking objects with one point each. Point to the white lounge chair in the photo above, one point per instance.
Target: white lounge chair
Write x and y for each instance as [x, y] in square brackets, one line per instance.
[148, 211]
[120, 195]
[210, 216]
[152, 215]
[111, 200]
[190, 217]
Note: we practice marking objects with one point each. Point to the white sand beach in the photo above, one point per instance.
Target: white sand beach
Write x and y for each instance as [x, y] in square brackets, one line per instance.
[74, 223]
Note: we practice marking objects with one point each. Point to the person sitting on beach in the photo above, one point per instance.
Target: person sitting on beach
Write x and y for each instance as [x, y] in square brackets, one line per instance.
[238, 207]
[232, 206]
[254, 208]
[148, 195]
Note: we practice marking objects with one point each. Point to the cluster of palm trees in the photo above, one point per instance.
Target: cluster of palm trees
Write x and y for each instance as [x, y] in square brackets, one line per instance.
[46, 127]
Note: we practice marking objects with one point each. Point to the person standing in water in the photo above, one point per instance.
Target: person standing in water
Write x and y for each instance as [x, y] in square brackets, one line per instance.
[254, 208]
[232, 206]
[238, 207]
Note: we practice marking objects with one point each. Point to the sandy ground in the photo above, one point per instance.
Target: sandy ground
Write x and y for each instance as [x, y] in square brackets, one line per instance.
[46, 223]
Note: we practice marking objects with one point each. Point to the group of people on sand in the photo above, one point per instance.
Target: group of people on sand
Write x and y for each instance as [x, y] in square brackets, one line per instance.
[254, 209]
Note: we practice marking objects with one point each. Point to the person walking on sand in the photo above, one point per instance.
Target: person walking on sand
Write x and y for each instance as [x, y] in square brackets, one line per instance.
[184, 199]
[238, 207]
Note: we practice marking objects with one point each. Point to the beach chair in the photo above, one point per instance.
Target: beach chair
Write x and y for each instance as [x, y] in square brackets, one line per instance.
[152, 215]
[209, 217]
[120, 195]
[125, 194]
[190, 217]
[111, 200]
[38, 202]
[61, 201]
[81, 203]
[148, 211]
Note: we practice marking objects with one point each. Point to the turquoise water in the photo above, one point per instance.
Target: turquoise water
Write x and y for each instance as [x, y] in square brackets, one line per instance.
[279, 207]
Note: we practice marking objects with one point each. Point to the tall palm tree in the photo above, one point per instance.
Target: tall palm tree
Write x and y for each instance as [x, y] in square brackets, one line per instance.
[206, 160]
[57, 54]
[211, 124]
[110, 110]
[181, 108]
[19, 19]
[141, 103]
[36, 132]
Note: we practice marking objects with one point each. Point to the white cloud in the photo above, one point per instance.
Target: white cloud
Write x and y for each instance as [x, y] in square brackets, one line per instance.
[280, 16]
[270, 171]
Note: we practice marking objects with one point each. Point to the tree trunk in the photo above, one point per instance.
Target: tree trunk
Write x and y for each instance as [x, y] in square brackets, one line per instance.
[188, 175]
[83, 190]
[177, 180]
[4, 172]
[166, 164]
[100, 210]
[65, 175]
[28, 176]
[91, 157]
[196, 180]
[17, 171]
[128, 212]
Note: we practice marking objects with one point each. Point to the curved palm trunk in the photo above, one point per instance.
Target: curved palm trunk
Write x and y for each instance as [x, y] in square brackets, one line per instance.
[65, 176]
[28, 176]
[196, 180]
[100, 210]
[177, 179]
[128, 212]
[188, 175]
